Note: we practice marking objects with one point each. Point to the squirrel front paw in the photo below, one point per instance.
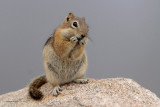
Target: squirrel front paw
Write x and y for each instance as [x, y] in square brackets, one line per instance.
[74, 39]
[83, 42]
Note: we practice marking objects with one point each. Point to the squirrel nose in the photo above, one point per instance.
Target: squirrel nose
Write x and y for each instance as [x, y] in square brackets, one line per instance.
[82, 36]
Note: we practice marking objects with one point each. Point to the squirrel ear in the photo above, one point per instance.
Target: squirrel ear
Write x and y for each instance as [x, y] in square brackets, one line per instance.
[83, 18]
[70, 15]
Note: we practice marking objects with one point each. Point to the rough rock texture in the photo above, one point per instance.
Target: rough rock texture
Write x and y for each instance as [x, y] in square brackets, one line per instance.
[116, 92]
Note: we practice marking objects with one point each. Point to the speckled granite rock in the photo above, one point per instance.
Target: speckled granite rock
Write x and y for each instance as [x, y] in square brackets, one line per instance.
[114, 92]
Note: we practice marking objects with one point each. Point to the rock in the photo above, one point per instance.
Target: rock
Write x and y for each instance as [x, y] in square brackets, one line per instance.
[114, 92]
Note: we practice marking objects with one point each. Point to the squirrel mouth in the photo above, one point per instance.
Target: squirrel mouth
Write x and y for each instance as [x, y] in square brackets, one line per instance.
[80, 38]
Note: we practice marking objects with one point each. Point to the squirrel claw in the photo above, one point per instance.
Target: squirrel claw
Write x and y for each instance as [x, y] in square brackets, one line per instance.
[82, 42]
[57, 89]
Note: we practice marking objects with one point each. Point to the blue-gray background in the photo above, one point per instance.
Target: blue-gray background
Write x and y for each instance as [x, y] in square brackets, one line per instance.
[125, 34]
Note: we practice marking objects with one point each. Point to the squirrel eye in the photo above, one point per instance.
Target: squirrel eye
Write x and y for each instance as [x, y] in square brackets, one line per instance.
[75, 24]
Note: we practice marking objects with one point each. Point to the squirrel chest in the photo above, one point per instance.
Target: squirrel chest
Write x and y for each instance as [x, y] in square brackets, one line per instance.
[64, 70]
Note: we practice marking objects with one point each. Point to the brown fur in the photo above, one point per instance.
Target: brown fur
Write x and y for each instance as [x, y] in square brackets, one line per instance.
[34, 85]
[64, 56]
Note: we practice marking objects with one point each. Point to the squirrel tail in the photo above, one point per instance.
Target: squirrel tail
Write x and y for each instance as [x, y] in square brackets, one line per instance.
[33, 91]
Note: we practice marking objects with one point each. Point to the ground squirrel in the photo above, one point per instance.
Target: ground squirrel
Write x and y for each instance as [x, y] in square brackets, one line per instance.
[64, 57]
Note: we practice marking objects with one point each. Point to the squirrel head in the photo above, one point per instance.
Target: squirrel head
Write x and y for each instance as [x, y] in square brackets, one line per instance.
[78, 25]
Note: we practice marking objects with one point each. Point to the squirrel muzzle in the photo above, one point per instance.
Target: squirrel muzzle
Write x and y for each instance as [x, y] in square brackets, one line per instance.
[80, 38]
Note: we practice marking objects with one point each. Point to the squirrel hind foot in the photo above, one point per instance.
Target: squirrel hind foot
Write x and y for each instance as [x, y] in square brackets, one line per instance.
[35, 94]
[57, 89]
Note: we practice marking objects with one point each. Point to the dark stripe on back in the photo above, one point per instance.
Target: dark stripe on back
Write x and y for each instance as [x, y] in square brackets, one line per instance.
[47, 41]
